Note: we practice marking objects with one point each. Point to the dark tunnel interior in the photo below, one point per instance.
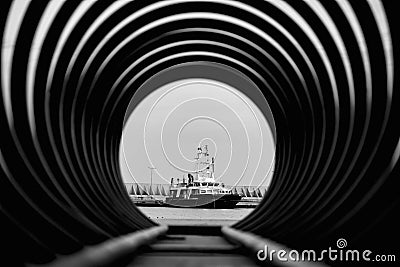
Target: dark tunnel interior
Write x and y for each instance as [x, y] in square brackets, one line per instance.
[327, 69]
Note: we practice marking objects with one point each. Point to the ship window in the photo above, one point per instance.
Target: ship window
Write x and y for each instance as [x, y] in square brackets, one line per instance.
[202, 191]
[204, 184]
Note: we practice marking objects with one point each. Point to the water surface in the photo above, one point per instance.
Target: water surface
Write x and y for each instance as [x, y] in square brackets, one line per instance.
[195, 216]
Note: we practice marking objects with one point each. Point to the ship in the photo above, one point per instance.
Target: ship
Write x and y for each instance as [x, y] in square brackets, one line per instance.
[200, 188]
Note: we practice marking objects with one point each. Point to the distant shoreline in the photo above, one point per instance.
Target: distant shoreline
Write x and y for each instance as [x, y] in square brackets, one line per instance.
[193, 222]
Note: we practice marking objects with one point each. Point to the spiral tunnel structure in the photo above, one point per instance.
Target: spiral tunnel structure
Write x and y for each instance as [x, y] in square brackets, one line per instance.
[70, 68]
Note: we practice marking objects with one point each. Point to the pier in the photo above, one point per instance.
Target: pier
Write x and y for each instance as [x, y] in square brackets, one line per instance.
[154, 194]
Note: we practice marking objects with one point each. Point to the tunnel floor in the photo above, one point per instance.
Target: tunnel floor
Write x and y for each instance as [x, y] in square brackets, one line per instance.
[193, 246]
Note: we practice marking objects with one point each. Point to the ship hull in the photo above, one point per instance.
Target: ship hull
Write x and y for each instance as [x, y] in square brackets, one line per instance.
[227, 201]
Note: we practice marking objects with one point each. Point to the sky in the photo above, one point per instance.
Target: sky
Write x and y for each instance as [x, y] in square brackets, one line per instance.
[166, 128]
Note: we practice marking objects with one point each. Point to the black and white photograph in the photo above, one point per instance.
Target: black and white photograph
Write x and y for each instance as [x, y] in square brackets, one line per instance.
[199, 133]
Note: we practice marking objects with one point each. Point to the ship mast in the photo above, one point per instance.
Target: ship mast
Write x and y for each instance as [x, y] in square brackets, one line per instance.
[203, 164]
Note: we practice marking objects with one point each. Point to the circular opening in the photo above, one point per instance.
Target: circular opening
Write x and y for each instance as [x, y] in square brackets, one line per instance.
[196, 151]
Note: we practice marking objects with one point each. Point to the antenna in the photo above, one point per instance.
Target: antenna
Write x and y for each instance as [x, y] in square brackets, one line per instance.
[151, 175]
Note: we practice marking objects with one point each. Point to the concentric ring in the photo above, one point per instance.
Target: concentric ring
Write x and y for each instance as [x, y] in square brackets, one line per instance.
[69, 70]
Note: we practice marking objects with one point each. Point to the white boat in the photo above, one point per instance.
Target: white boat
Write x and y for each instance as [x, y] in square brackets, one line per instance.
[199, 189]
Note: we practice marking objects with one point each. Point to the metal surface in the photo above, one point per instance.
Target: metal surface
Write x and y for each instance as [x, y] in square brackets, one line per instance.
[329, 71]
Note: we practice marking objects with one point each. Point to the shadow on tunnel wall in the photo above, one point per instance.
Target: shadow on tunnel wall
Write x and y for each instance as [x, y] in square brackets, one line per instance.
[69, 69]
